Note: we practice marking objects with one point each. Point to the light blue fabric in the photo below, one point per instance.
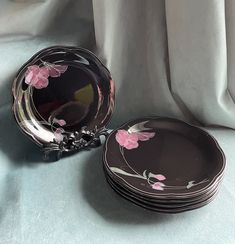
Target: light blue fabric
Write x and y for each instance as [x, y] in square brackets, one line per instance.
[157, 52]
[70, 201]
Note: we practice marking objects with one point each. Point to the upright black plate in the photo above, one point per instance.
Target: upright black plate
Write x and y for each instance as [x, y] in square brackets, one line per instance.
[63, 98]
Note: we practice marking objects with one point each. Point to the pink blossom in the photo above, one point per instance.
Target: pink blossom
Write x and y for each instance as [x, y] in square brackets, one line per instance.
[159, 177]
[58, 135]
[55, 70]
[112, 88]
[145, 136]
[158, 186]
[112, 95]
[127, 140]
[60, 122]
[37, 77]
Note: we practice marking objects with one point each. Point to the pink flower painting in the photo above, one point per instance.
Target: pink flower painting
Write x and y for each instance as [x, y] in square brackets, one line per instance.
[158, 186]
[159, 177]
[55, 70]
[127, 140]
[130, 140]
[145, 136]
[112, 95]
[59, 135]
[60, 122]
[37, 76]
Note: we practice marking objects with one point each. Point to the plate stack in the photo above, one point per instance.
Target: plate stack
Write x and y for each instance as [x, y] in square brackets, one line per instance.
[163, 164]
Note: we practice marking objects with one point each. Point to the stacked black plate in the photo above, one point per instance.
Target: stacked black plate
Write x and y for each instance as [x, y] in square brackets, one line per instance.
[163, 164]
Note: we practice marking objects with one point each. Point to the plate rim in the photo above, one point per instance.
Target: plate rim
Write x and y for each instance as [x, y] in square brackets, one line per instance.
[193, 193]
[16, 86]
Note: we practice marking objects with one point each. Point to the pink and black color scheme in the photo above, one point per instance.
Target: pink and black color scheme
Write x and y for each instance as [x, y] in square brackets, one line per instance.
[63, 99]
[163, 164]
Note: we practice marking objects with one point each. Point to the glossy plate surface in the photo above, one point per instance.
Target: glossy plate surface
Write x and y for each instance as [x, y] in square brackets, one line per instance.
[168, 203]
[164, 199]
[163, 158]
[159, 209]
[61, 90]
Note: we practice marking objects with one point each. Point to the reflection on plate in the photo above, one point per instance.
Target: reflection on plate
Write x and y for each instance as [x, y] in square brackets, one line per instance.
[63, 99]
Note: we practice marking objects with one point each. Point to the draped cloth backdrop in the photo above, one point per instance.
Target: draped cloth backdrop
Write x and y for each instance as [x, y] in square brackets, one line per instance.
[168, 58]
[172, 58]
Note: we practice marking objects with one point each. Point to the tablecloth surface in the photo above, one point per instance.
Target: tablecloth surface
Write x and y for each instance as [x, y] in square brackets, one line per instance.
[70, 202]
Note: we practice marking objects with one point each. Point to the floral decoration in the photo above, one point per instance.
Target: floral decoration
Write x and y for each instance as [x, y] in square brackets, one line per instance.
[112, 96]
[37, 76]
[58, 133]
[129, 139]
[158, 186]
[60, 122]
[154, 181]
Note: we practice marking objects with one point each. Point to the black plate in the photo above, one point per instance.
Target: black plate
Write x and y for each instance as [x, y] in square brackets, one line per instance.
[63, 98]
[164, 200]
[166, 204]
[163, 209]
[163, 158]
